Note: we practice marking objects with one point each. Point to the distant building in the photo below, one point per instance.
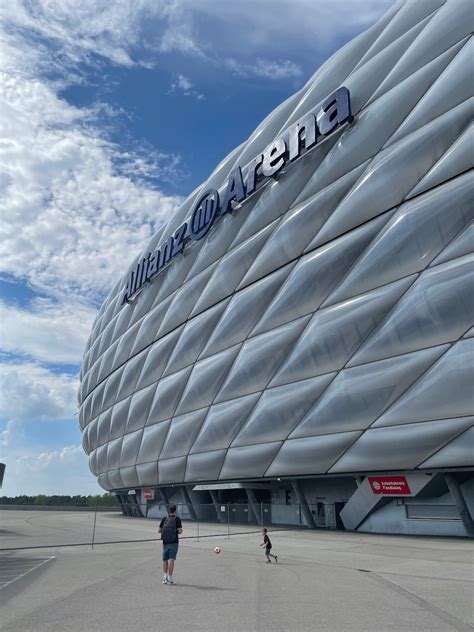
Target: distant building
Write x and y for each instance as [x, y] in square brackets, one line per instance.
[298, 340]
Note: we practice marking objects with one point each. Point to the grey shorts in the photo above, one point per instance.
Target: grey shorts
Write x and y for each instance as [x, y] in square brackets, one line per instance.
[170, 551]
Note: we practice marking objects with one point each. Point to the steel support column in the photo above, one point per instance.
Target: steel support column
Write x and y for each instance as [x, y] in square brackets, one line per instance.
[461, 504]
[300, 497]
[217, 505]
[254, 505]
[123, 505]
[189, 503]
[164, 497]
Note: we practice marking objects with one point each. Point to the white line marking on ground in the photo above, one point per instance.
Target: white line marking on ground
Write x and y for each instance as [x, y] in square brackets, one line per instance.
[28, 571]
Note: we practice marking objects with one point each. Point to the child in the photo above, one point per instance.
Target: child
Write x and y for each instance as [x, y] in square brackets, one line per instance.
[268, 545]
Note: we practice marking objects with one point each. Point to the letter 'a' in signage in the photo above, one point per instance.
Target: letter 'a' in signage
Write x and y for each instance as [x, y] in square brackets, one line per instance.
[389, 485]
[235, 190]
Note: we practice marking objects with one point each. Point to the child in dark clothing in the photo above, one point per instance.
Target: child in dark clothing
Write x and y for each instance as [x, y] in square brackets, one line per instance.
[268, 546]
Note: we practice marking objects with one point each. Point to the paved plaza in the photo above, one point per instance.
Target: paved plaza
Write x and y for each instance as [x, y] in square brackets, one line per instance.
[324, 580]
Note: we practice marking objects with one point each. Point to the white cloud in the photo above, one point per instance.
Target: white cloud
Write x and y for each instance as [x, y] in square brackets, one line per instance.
[62, 471]
[38, 462]
[264, 68]
[130, 32]
[32, 392]
[74, 204]
[47, 331]
[247, 31]
[179, 36]
[72, 211]
[182, 84]
[12, 432]
[82, 29]
[30, 395]
[279, 24]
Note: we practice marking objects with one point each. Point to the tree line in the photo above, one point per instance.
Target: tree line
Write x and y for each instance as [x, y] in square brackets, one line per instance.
[99, 500]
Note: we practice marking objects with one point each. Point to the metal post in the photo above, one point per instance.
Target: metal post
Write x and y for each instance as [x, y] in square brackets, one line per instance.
[304, 509]
[164, 497]
[188, 502]
[93, 530]
[253, 504]
[261, 513]
[461, 504]
[217, 505]
[228, 520]
[198, 524]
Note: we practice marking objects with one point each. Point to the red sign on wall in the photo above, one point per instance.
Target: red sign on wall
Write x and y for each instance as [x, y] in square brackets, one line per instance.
[389, 485]
[147, 494]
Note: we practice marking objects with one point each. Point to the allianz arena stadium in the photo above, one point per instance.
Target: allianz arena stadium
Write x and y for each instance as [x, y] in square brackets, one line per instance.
[300, 333]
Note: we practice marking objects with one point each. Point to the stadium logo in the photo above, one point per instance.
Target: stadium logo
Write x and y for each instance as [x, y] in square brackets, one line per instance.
[303, 134]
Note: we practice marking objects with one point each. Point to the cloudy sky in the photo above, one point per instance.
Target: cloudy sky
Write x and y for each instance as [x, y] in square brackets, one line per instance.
[111, 113]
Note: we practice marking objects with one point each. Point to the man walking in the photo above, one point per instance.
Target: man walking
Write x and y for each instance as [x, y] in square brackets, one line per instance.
[170, 529]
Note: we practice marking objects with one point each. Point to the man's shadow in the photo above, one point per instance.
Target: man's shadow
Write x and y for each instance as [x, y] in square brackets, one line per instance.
[201, 587]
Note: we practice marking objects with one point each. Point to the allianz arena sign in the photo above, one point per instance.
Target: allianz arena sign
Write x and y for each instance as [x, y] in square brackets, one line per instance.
[304, 134]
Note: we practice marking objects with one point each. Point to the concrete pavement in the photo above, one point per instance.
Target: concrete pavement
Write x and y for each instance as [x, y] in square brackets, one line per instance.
[325, 581]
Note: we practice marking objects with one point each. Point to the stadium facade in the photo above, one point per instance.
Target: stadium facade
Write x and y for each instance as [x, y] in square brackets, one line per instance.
[301, 333]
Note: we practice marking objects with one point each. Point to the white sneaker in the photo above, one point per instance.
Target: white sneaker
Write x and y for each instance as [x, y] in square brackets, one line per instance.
[170, 580]
[165, 579]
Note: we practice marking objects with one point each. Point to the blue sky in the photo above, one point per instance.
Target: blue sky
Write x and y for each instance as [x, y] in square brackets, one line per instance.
[112, 112]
